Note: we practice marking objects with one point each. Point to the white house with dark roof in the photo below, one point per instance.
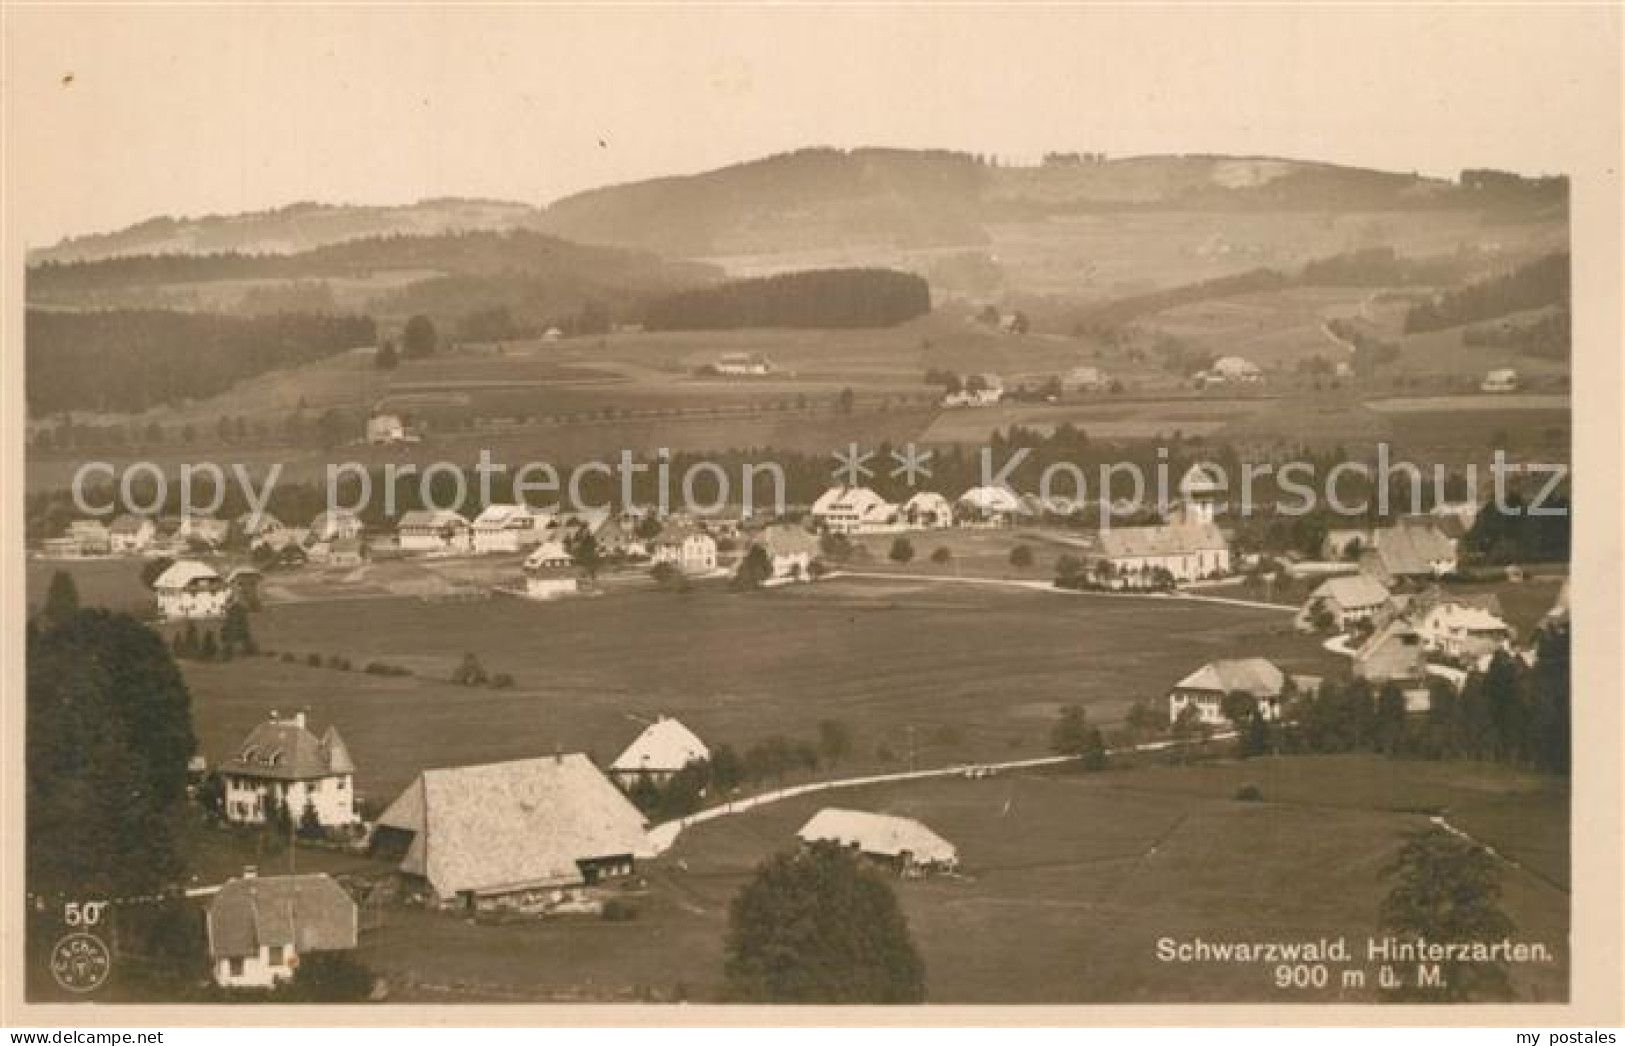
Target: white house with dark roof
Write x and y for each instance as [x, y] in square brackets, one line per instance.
[434, 530]
[259, 927]
[901, 843]
[523, 834]
[1205, 689]
[690, 549]
[283, 761]
[664, 747]
[189, 589]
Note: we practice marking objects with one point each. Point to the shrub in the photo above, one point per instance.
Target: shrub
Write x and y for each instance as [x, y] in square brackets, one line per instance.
[290, 657]
[1249, 793]
[501, 681]
[313, 660]
[619, 911]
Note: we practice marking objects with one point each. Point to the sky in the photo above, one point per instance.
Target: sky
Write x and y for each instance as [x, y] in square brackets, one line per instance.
[118, 114]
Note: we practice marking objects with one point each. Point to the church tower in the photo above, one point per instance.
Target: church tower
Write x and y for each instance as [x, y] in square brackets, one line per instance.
[1199, 493]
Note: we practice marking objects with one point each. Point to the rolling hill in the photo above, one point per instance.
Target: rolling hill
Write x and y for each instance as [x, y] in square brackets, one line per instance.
[286, 230]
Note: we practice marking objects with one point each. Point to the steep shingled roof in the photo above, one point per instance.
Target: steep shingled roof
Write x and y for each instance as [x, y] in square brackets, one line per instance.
[665, 746]
[1250, 675]
[787, 539]
[505, 826]
[1409, 549]
[1172, 539]
[1354, 590]
[183, 574]
[880, 834]
[286, 750]
[312, 913]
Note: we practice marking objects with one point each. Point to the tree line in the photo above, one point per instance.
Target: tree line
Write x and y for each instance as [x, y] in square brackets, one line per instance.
[818, 299]
[1533, 285]
[133, 359]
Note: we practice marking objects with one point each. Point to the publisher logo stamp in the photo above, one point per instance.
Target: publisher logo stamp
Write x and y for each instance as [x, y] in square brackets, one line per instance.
[81, 962]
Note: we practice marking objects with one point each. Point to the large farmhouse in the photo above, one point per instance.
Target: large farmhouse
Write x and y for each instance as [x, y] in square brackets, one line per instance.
[1395, 654]
[1206, 688]
[1340, 602]
[991, 504]
[853, 510]
[283, 762]
[928, 510]
[900, 843]
[664, 747]
[508, 528]
[434, 530]
[1408, 552]
[520, 834]
[189, 589]
[258, 928]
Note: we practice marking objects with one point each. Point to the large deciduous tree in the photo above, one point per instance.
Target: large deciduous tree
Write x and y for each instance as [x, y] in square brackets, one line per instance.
[818, 927]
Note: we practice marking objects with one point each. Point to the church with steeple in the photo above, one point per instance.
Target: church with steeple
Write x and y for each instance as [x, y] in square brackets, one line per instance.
[1189, 547]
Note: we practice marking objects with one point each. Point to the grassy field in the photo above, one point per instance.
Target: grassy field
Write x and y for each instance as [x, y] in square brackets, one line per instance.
[959, 672]
[1069, 880]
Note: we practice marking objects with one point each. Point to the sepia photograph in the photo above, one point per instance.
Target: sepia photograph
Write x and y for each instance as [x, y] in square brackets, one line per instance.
[529, 509]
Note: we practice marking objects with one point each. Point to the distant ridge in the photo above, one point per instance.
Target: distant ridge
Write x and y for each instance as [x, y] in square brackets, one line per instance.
[828, 198]
[291, 229]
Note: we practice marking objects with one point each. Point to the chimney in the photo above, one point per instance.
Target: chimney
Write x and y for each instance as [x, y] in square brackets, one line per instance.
[299, 719]
[250, 871]
[558, 752]
[273, 715]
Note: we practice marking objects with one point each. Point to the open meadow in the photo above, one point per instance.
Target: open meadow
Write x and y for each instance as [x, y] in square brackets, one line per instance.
[1068, 882]
[950, 672]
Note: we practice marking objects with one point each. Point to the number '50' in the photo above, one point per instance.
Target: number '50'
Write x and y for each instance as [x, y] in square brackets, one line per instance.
[83, 913]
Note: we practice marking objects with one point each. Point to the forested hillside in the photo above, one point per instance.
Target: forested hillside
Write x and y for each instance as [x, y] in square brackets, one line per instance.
[129, 360]
[833, 298]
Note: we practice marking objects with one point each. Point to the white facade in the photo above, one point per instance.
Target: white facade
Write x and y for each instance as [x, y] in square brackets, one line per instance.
[190, 590]
[692, 553]
[551, 584]
[438, 530]
[1503, 380]
[1462, 631]
[507, 528]
[740, 364]
[130, 536]
[928, 510]
[250, 799]
[386, 428]
[268, 967]
[854, 510]
[1232, 370]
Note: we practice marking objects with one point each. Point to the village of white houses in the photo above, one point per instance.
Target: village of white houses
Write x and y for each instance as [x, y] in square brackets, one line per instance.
[860, 574]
